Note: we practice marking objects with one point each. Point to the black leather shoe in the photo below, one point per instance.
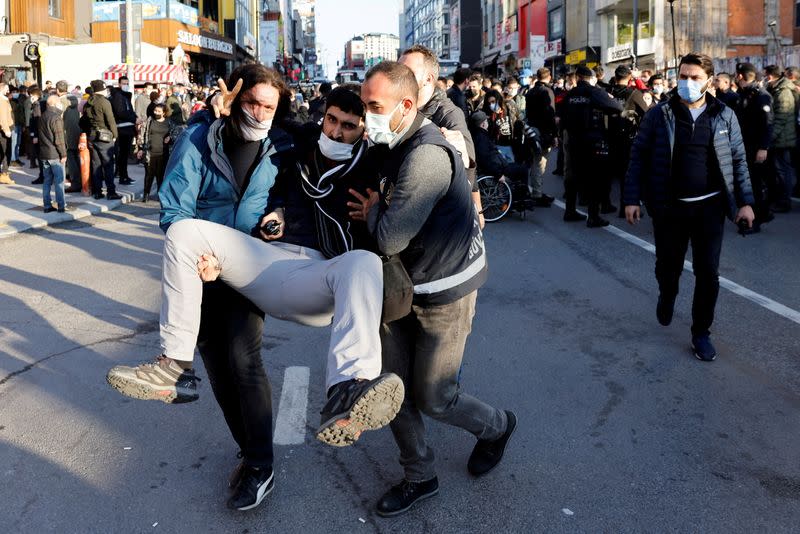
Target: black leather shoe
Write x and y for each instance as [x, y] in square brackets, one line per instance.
[487, 454]
[38, 181]
[113, 196]
[403, 496]
[596, 222]
[98, 196]
[254, 485]
[573, 216]
[49, 209]
[664, 310]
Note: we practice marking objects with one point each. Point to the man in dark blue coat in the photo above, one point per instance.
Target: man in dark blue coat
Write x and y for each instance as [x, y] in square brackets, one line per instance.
[688, 164]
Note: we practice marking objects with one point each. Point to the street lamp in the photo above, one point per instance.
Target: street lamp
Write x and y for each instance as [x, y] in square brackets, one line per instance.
[777, 41]
[674, 38]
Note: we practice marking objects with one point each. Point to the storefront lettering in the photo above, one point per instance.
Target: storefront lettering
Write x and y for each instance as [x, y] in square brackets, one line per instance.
[201, 41]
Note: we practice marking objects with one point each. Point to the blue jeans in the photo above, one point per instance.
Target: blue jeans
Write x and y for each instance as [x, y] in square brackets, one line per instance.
[16, 140]
[53, 176]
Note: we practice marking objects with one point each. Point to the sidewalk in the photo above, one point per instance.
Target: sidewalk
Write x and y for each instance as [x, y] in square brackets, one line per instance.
[21, 203]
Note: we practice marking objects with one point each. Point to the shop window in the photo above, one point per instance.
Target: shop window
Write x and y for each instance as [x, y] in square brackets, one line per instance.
[54, 8]
[555, 24]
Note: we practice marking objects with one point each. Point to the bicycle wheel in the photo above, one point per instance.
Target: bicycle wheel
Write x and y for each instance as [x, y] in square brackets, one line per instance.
[495, 197]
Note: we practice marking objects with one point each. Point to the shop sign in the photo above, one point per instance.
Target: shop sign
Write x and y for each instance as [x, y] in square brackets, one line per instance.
[619, 53]
[537, 46]
[575, 57]
[552, 49]
[205, 42]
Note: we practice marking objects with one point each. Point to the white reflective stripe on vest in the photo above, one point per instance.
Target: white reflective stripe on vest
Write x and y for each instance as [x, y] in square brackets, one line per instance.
[437, 286]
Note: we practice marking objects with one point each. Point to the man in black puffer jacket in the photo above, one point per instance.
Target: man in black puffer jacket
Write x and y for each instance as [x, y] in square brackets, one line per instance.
[689, 165]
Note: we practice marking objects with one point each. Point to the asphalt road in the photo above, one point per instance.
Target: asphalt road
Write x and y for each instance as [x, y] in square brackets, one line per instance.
[620, 428]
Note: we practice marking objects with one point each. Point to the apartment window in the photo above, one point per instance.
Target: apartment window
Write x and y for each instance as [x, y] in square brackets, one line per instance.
[555, 24]
[54, 8]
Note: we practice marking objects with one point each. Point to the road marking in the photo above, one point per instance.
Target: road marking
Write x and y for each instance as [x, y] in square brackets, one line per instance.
[730, 285]
[290, 424]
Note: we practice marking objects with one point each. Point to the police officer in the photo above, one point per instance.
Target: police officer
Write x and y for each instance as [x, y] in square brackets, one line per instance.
[755, 118]
[586, 142]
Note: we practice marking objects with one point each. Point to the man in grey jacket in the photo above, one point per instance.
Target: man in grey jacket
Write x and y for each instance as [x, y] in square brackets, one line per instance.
[425, 215]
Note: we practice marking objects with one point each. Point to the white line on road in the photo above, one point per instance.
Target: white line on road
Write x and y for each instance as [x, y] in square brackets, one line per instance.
[290, 424]
[761, 300]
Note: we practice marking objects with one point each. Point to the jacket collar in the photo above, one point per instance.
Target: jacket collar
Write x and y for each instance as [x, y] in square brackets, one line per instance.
[221, 161]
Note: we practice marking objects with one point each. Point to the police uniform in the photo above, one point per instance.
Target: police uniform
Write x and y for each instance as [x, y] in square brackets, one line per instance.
[755, 119]
[583, 114]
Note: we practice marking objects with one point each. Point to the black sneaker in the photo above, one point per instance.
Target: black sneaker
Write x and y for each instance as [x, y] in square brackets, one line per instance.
[255, 484]
[664, 310]
[113, 196]
[98, 196]
[596, 222]
[573, 216]
[487, 454]
[127, 181]
[38, 181]
[403, 496]
[358, 405]
[703, 348]
[162, 380]
[49, 209]
[544, 201]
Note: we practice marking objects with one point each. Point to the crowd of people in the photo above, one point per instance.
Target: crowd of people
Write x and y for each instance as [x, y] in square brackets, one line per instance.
[357, 207]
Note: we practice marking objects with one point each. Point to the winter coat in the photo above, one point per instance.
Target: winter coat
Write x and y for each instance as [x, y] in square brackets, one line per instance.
[72, 128]
[783, 105]
[97, 115]
[51, 135]
[649, 176]
[199, 182]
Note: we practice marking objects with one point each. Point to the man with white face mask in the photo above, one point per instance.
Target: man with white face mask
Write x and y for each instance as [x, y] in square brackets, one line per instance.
[424, 215]
[122, 103]
[223, 171]
[689, 165]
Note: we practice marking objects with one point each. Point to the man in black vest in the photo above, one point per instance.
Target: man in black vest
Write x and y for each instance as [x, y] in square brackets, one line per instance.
[425, 215]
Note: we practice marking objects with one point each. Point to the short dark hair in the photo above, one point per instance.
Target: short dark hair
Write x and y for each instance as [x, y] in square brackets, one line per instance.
[461, 75]
[347, 97]
[430, 59]
[442, 79]
[34, 90]
[792, 71]
[654, 78]
[401, 77]
[747, 71]
[162, 106]
[61, 86]
[724, 75]
[154, 96]
[251, 75]
[124, 77]
[598, 71]
[325, 88]
[772, 70]
[701, 60]
[543, 72]
[476, 77]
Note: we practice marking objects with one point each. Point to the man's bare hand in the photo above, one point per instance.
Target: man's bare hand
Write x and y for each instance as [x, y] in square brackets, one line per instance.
[745, 214]
[761, 156]
[208, 268]
[276, 216]
[222, 101]
[456, 138]
[633, 214]
[360, 210]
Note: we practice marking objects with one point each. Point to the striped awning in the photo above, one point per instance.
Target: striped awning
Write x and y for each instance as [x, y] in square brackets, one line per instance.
[148, 73]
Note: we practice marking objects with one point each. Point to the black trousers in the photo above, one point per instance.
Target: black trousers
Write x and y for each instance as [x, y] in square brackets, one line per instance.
[102, 154]
[5, 152]
[759, 176]
[154, 170]
[124, 143]
[230, 344]
[703, 224]
[585, 173]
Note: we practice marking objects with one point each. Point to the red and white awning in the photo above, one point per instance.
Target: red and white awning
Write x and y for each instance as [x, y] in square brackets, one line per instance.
[148, 73]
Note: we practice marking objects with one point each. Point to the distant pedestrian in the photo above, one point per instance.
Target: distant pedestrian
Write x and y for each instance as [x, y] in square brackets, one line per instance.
[72, 135]
[19, 126]
[157, 134]
[101, 128]
[784, 137]
[125, 117]
[6, 129]
[53, 153]
[36, 115]
[456, 91]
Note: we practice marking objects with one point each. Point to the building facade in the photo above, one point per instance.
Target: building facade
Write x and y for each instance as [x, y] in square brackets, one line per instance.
[380, 47]
[427, 23]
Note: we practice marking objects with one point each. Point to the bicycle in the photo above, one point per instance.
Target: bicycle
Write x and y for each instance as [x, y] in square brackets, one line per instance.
[498, 197]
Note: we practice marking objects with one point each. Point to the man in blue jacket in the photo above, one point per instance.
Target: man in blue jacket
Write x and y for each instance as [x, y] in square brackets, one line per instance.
[688, 164]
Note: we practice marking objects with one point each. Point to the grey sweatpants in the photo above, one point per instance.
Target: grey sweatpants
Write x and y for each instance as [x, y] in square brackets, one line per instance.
[285, 281]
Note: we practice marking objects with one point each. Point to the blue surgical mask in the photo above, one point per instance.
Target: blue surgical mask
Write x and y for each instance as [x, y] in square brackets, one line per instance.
[691, 91]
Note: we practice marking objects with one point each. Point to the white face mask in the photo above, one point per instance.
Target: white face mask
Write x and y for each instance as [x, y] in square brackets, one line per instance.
[593, 81]
[124, 87]
[334, 150]
[252, 129]
[379, 129]
[658, 89]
